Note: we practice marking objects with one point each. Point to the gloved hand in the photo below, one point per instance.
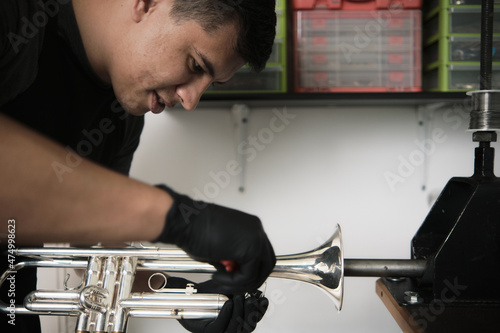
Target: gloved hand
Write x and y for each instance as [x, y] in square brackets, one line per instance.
[239, 314]
[213, 233]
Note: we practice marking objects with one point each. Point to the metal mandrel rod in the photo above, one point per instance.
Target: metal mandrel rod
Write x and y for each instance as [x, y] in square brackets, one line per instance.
[384, 267]
[486, 44]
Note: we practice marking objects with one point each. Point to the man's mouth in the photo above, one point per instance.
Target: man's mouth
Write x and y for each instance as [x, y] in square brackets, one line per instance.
[157, 103]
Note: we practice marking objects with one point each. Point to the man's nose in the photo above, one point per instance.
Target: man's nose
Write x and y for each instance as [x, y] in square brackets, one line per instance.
[191, 92]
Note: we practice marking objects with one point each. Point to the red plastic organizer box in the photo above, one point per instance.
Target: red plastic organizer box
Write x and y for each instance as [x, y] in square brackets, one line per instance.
[356, 50]
[356, 5]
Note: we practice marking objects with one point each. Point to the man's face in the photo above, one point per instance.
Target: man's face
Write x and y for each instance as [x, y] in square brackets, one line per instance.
[159, 63]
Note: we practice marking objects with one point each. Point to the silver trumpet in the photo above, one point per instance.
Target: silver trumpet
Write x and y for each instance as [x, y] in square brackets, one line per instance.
[104, 300]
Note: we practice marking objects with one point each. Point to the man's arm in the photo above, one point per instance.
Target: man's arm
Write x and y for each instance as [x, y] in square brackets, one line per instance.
[91, 204]
[85, 205]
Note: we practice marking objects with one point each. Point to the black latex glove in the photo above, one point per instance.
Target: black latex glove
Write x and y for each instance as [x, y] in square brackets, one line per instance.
[239, 314]
[213, 233]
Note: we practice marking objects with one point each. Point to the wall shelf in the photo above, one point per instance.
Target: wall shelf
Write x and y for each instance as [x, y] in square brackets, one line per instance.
[331, 99]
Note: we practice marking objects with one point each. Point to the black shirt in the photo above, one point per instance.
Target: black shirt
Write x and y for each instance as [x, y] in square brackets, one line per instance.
[46, 82]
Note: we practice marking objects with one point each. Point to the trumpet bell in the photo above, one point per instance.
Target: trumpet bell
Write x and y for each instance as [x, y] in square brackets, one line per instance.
[322, 267]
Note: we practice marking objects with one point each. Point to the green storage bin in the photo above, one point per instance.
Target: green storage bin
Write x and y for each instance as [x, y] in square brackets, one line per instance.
[457, 77]
[453, 20]
[460, 49]
[429, 7]
[451, 48]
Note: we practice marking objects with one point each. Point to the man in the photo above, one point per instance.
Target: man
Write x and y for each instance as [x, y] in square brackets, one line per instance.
[76, 79]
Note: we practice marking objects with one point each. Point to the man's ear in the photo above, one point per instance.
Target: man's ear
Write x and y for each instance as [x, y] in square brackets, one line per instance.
[141, 8]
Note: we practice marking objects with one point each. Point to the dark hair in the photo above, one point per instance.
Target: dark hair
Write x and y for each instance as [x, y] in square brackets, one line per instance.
[256, 20]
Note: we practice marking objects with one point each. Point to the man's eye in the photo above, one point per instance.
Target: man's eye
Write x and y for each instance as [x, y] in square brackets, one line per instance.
[196, 67]
[215, 84]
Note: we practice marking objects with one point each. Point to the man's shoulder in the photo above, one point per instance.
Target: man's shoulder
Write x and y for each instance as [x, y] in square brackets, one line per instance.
[21, 23]
[22, 28]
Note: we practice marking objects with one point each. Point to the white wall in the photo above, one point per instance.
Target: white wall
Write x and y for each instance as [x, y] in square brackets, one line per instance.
[325, 166]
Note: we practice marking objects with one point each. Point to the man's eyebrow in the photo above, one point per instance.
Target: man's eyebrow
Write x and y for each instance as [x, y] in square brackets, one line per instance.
[206, 63]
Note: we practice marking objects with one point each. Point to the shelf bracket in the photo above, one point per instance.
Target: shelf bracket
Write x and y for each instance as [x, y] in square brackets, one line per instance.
[240, 114]
[425, 114]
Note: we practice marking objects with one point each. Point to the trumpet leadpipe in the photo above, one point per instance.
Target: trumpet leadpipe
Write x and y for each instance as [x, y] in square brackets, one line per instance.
[158, 302]
[65, 296]
[62, 309]
[174, 314]
[219, 298]
[61, 252]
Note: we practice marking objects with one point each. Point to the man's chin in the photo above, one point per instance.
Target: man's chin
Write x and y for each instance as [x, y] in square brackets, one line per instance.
[138, 113]
[135, 111]
[131, 107]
